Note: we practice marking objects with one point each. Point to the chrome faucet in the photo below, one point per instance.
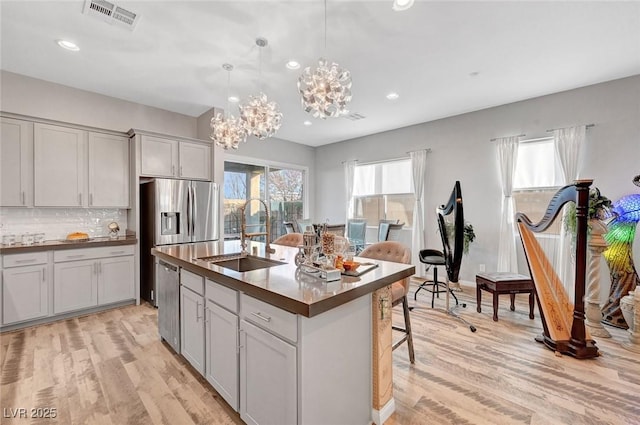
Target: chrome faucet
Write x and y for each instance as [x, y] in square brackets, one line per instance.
[243, 228]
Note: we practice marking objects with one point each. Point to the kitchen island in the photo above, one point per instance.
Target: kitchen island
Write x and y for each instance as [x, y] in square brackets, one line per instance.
[284, 347]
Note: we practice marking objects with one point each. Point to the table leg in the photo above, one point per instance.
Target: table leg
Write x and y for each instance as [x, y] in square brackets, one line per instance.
[478, 298]
[495, 306]
[531, 296]
[513, 302]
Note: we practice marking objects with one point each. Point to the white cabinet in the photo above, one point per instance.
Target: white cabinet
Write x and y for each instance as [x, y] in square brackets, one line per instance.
[159, 157]
[222, 352]
[16, 163]
[268, 378]
[89, 277]
[24, 293]
[195, 161]
[173, 158]
[75, 286]
[59, 166]
[108, 171]
[115, 279]
[192, 327]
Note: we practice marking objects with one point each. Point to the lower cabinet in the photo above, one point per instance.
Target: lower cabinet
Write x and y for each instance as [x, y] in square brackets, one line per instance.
[115, 279]
[192, 328]
[24, 294]
[75, 285]
[268, 375]
[222, 352]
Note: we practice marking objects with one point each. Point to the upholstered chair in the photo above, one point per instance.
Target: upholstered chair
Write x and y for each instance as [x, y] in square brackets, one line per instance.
[290, 239]
[397, 253]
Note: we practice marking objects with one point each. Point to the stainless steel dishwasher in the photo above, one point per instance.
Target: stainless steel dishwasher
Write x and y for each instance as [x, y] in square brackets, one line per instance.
[168, 287]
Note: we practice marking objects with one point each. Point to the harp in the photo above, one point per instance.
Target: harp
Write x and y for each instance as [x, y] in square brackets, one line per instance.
[562, 320]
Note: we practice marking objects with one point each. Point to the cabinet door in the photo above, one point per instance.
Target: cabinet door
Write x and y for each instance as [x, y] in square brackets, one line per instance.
[59, 166]
[222, 352]
[195, 161]
[75, 285]
[115, 279]
[268, 390]
[159, 157]
[24, 294]
[192, 328]
[108, 171]
[16, 163]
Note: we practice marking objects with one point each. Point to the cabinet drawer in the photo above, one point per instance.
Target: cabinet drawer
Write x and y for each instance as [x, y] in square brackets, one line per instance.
[222, 295]
[268, 317]
[192, 281]
[26, 259]
[89, 253]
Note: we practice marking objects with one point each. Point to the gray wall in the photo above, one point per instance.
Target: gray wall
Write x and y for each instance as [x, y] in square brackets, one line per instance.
[38, 98]
[461, 150]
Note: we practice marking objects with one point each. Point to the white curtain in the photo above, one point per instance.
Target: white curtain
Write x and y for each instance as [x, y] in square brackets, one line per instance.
[419, 172]
[349, 173]
[568, 143]
[507, 150]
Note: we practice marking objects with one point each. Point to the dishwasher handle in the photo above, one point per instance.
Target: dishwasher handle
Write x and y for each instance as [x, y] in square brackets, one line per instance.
[167, 266]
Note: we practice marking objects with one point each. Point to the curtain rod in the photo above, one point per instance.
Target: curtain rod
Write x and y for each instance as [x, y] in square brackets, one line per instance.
[419, 150]
[553, 129]
[496, 138]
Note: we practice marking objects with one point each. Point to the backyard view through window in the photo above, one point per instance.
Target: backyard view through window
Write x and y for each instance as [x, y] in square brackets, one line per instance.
[383, 191]
[280, 187]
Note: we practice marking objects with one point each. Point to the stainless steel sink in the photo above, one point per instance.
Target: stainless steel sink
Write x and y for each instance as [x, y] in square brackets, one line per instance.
[241, 263]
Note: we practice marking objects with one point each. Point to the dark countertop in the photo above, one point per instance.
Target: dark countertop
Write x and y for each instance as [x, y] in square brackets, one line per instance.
[280, 285]
[63, 244]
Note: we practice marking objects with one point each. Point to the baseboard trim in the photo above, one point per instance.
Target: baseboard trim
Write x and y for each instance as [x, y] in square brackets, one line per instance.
[380, 416]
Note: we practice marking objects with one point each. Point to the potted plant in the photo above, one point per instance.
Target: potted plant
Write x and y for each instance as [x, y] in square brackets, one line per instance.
[468, 233]
[599, 209]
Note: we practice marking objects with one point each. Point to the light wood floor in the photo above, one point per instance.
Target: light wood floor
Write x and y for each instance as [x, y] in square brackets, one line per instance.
[110, 368]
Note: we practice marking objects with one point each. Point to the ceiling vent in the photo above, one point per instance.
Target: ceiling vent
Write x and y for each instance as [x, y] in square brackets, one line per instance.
[111, 13]
[355, 116]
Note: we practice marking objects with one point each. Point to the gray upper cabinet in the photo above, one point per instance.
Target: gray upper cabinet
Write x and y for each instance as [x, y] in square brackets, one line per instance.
[108, 171]
[195, 161]
[16, 163]
[160, 157]
[59, 166]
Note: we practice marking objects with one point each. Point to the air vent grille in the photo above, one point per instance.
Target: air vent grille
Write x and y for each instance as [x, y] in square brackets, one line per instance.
[355, 116]
[111, 13]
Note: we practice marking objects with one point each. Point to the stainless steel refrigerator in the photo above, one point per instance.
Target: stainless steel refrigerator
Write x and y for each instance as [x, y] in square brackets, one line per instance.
[174, 212]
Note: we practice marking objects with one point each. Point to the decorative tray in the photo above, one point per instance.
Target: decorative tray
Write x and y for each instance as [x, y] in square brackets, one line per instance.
[364, 267]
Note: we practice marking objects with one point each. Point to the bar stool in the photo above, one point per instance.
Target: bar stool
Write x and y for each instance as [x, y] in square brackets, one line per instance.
[433, 258]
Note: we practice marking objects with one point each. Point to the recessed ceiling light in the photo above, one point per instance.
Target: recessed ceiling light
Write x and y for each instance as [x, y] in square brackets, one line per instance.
[400, 5]
[233, 99]
[68, 45]
[307, 123]
[292, 64]
[393, 96]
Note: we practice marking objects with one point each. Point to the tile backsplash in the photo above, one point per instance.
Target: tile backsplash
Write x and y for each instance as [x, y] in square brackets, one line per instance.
[57, 223]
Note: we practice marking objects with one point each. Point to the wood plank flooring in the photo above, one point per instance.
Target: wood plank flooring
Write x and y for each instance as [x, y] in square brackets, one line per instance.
[111, 368]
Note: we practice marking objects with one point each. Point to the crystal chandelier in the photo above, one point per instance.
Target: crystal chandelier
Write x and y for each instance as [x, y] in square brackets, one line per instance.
[227, 130]
[260, 117]
[325, 90]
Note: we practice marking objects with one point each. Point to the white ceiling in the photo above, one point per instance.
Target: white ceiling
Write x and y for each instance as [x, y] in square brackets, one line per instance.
[427, 54]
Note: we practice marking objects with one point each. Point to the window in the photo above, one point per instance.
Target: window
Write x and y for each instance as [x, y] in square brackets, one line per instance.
[537, 178]
[383, 191]
[282, 188]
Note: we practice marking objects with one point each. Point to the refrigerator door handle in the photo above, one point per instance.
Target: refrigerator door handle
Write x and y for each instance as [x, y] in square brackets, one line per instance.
[194, 209]
[189, 209]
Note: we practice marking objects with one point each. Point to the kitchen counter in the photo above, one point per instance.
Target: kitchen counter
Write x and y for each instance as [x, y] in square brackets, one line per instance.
[57, 245]
[283, 285]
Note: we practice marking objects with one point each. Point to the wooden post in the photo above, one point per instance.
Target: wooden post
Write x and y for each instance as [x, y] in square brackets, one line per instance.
[383, 404]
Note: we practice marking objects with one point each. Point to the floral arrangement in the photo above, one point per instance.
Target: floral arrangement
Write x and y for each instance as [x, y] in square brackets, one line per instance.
[599, 208]
[468, 233]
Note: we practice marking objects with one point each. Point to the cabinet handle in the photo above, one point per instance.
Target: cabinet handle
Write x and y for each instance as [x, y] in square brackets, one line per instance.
[99, 268]
[75, 256]
[121, 252]
[23, 203]
[173, 170]
[198, 317]
[261, 317]
[43, 272]
[91, 199]
[30, 260]
[181, 171]
[79, 198]
[95, 268]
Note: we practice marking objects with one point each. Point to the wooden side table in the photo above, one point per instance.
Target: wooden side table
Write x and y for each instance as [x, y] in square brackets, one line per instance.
[504, 283]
